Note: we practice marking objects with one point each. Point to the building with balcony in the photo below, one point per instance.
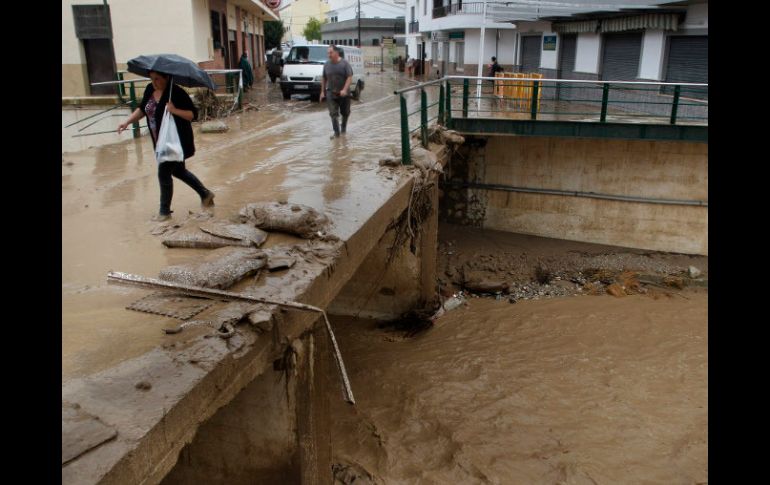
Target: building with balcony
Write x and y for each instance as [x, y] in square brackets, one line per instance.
[667, 41]
[98, 38]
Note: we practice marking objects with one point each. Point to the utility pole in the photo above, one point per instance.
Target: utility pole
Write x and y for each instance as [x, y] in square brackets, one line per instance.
[359, 23]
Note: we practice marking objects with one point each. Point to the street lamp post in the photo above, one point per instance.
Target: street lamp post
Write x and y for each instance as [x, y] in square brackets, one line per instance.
[481, 55]
[359, 23]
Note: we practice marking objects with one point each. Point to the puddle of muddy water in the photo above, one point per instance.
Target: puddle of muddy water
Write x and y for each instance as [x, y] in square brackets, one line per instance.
[568, 390]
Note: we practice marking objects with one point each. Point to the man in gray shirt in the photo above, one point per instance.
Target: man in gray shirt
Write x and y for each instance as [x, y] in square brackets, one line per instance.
[335, 87]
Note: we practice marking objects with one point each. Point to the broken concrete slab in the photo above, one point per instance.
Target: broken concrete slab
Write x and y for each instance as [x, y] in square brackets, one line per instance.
[221, 269]
[81, 432]
[237, 232]
[193, 237]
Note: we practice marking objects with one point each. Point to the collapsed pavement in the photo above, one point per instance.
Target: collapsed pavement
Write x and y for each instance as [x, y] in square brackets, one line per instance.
[153, 405]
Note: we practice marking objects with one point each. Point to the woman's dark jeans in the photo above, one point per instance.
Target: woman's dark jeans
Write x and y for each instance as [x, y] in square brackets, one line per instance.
[178, 170]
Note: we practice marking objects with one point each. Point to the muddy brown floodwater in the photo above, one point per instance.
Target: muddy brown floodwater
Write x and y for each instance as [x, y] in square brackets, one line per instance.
[573, 390]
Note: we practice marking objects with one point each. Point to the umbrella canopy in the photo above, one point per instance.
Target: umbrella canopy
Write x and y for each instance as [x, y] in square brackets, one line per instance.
[185, 72]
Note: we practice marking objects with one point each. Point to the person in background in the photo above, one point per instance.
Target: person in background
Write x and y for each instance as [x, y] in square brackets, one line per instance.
[248, 74]
[494, 68]
[335, 87]
[153, 105]
[409, 66]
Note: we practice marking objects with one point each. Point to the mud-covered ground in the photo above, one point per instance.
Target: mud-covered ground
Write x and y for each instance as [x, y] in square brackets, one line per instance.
[596, 389]
[518, 266]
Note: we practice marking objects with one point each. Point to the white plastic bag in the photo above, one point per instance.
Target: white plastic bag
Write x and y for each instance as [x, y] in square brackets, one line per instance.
[169, 147]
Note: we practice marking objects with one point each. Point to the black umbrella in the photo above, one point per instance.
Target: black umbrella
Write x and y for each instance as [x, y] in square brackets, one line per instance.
[185, 72]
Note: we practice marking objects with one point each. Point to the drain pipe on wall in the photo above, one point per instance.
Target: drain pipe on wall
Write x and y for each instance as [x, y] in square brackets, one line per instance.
[592, 195]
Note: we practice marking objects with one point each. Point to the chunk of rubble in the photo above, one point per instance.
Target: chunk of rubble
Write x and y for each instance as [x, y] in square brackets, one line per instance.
[237, 232]
[390, 162]
[426, 160]
[297, 219]
[221, 269]
[216, 126]
[275, 263]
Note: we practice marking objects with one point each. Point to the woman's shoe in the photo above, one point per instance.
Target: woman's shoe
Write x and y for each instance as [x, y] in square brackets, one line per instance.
[208, 201]
[161, 217]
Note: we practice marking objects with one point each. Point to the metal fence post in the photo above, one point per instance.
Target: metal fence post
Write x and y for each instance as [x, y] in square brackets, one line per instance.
[675, 106]
[424, 117]
[533, 109]
[465, 98]
[405, 155]
[448, 105]
[135, 125]
[121, 87]
[441, 105]
[605, 98]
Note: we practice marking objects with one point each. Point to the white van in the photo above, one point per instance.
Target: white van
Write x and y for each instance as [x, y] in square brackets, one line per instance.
[304, 65]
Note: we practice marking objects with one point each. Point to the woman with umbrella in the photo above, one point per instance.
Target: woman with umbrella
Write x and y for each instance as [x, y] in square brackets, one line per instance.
[154, 102]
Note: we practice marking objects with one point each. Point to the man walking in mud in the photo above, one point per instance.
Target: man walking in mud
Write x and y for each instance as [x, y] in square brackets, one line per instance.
[335, 87]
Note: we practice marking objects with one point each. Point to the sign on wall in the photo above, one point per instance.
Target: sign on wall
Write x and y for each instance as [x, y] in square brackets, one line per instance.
[438, 36]
[549, 42]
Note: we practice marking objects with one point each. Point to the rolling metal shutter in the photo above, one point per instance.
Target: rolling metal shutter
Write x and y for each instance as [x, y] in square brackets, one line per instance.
[567, 55]
[530, 53]
[688, 62]
[621, 54]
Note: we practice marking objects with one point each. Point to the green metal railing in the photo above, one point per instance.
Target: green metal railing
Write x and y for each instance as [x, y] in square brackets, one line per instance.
[551, 100]
[439, 99]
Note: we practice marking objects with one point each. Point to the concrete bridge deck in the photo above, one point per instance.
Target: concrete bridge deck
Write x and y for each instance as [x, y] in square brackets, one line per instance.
[281, 152]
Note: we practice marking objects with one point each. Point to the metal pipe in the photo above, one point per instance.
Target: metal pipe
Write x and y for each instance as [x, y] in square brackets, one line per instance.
[126, 81]
[418, 86]
[151, 283]
[97, 114]
[592, 195]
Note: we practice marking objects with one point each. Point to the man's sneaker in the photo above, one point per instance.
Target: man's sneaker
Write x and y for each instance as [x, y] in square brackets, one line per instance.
[161, 217]
[208, 201]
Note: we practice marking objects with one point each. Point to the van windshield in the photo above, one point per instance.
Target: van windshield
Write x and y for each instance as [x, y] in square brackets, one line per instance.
[314, 54]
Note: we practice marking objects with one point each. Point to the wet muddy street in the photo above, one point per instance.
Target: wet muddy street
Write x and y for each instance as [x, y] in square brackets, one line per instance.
[281, 151]
[553, 381]
[574, 390]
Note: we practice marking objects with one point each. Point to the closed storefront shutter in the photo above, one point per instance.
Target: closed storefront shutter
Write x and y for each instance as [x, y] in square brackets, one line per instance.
[567, 55]
[621, 54]
[530, 53]
[688, 62]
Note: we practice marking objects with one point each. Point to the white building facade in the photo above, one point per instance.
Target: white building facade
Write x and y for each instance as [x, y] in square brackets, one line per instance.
[662, 43]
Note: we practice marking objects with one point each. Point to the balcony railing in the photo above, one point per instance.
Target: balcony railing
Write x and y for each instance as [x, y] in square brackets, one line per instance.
[473, 8]
[414, 27]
